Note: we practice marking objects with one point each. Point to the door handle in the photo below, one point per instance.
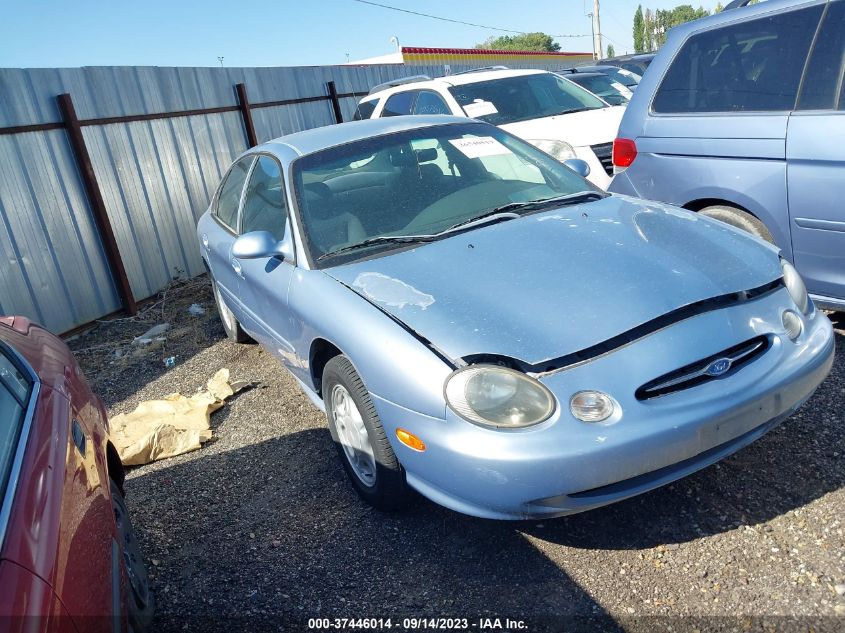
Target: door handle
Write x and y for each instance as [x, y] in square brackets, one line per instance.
[236, 266]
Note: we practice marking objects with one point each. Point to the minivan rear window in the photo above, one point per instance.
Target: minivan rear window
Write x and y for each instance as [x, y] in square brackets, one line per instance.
[754, 65]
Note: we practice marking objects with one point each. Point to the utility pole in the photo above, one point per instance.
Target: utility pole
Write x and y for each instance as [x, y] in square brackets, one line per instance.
[597, 49]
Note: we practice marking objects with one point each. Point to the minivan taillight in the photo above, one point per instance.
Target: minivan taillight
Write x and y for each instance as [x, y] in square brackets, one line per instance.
[624, 153]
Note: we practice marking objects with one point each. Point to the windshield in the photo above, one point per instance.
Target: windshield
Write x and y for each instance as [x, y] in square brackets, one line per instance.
[512, 99]
[14, 397]
[611, 91]
[418, 183]
[625, 77]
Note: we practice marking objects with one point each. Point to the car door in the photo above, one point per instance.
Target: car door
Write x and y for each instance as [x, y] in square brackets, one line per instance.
[265, 280]
[815, 156]
[220, 236]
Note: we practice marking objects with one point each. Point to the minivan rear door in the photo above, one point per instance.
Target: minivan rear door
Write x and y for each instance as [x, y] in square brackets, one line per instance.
[815, 155]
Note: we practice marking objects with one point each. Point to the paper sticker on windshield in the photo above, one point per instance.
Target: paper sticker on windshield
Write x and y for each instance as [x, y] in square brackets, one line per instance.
[480, 146]
[479, 108]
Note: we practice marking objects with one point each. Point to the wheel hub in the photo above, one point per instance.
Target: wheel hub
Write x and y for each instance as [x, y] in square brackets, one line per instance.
[353, 435]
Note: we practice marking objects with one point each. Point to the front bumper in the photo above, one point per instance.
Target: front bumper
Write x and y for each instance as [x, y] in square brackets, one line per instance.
[564, 466]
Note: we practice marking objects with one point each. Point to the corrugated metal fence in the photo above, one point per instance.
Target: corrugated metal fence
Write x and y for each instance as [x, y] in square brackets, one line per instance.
[154, 172]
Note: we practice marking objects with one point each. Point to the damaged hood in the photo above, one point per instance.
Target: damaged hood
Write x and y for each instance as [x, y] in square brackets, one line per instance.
[553, 283]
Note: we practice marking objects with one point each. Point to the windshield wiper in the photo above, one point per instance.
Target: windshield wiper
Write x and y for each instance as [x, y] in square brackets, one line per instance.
[381, 239]
[572, 111]
[509, 211]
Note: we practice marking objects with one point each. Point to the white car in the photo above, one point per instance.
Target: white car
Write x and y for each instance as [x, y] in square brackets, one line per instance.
[547, 110]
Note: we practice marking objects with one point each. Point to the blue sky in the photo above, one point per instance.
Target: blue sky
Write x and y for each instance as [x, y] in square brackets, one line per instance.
[36, 33]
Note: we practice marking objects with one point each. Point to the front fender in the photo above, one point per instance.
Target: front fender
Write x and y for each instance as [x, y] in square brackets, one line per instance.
[394, 364]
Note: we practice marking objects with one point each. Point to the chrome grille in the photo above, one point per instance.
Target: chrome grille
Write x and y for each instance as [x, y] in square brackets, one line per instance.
[720, 365]
[604, 152]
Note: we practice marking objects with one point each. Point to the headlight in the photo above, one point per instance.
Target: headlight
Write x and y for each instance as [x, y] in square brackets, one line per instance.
[499, 397]
[559, 149]
[795, 285]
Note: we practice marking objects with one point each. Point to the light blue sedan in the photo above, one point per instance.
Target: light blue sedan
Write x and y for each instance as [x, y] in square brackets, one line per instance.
[482, 325]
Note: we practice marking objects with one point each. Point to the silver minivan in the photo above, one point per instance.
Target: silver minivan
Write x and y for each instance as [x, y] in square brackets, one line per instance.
[741, 116]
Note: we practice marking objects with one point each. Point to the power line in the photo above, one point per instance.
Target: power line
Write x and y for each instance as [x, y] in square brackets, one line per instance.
[437, 17]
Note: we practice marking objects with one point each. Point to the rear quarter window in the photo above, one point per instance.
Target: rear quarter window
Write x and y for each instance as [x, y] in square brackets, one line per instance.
[754, 65]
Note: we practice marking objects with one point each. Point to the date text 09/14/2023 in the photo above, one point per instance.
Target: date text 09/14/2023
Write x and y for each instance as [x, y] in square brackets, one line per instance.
[418, 623]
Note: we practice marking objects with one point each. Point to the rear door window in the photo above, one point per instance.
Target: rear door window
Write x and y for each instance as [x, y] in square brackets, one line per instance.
[230, 193]
[431, 103]
[823, 79]
[752, 66]
[364, 110]
[399, 104]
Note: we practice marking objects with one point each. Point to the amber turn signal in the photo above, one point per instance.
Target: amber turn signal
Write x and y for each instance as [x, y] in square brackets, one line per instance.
[411, 440]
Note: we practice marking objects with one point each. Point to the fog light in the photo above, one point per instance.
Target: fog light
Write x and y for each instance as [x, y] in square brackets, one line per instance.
[410, 440]
[591, 406]
[792, 324]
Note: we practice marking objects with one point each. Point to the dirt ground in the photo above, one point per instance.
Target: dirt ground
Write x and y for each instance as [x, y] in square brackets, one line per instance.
[260, 527]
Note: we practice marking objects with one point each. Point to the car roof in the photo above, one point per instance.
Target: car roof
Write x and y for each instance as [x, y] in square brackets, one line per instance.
[316, 139]
[576, 76]
[460, 79]
[594, 68]
[739, 13]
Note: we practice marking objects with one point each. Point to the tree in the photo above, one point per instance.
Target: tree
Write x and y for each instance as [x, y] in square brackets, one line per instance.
[639, 30]
[525, 42]
[656, 25]
[719, 8]
[611, 52]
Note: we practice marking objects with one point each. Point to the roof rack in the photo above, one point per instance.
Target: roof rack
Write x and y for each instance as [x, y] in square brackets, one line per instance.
[398, 82]
[480, 70]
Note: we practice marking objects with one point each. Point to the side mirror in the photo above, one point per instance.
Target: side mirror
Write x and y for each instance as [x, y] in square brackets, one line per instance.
[579, 166]
[258, 244]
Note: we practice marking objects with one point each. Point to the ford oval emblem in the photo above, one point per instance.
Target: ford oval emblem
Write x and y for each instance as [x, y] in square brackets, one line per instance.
[718, 367]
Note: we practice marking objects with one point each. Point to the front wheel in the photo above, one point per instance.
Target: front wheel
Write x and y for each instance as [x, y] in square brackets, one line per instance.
[139, 598]
[369, 461]
[739, 219]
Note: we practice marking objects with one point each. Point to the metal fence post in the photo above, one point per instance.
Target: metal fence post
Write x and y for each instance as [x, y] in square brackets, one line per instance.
[338, 115]
[246, 115]
[95, 198]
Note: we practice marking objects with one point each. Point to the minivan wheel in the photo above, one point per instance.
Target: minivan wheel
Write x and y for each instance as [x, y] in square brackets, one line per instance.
[140, 604]
[230, 324]
[362, 444]
[740, 219]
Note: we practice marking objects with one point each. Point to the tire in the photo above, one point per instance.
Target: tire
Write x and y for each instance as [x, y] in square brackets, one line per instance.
[739, 219]
[140, 603]
[231, 326]
[384, 487]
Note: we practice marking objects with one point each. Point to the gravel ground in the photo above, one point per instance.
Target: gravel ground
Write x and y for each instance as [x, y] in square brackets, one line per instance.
[261, 522]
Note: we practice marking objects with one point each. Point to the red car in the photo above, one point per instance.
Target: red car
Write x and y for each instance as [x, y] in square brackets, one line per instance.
[69, 559]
